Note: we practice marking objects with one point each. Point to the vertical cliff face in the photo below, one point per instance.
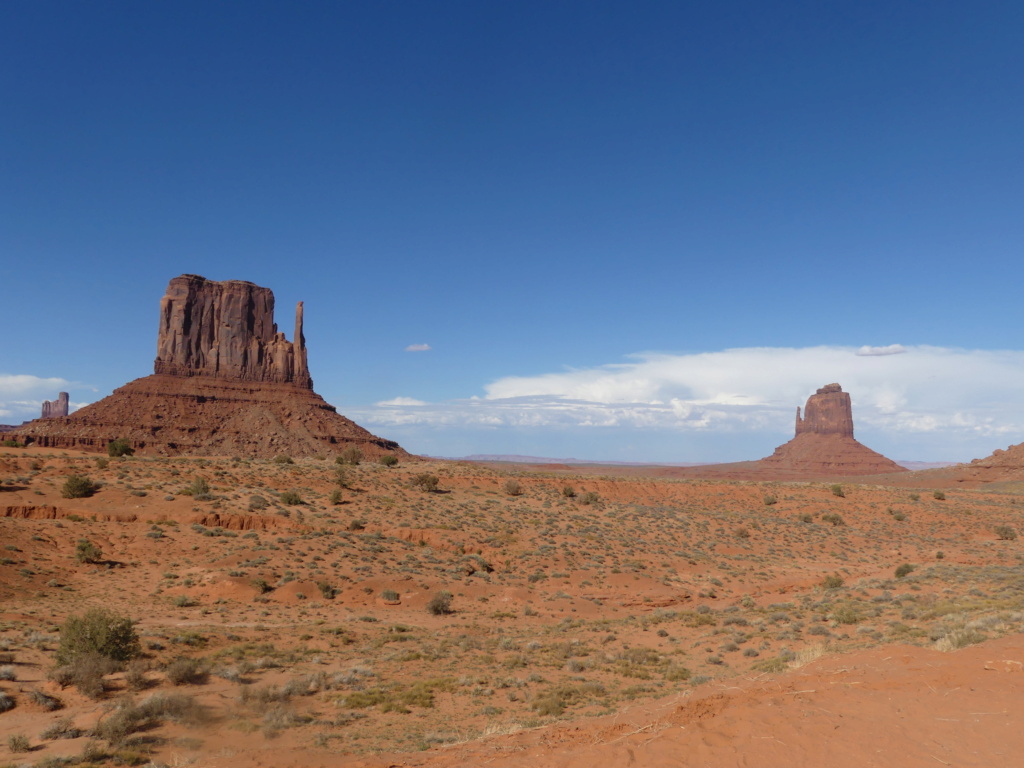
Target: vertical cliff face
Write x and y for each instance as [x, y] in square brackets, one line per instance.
[226, 330]
[53, 409]
[828, 412]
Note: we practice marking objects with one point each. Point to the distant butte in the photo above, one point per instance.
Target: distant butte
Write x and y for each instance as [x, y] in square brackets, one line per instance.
[824, 444]
[225, 382]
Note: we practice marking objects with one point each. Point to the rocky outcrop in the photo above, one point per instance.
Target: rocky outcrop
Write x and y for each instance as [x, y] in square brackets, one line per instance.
[824, 445]
[226, 330]
[226, 383]
[56, 408]
[828, 412]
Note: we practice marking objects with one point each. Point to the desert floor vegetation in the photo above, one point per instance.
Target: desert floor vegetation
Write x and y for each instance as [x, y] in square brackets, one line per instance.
[257, 597]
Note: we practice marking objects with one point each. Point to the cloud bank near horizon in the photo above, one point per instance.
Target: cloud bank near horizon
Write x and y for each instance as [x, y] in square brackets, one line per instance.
[943, 394]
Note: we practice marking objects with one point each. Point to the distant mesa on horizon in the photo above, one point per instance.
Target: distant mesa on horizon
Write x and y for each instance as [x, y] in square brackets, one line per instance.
[225, 382]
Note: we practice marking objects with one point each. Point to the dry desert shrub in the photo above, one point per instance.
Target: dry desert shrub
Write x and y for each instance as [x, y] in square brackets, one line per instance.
[129, 718]
[78, 487]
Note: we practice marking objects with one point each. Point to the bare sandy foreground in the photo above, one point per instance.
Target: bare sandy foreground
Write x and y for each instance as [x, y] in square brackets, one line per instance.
[894, 706]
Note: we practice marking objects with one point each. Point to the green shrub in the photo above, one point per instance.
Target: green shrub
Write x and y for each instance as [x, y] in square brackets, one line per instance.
[328, 591]
[832, 517]
[78, 487]
[389, 460]
[938, 495]
[914, 497]
[1005, 533]
[833, 581]
[102, 463]
[351, 455]
[846, 614]
[440, 604]
[390, 596]
[837, 490]
[806, 517]
[98, 631]
[9, 443]
[426, 482]
[199, 489]
[290, 498]
[904, 570]
[569, 492]
[283, 459]
[335, 497]
[342, 478]
[186, 670]
[119, 447]
[257, 503]
[87, 552]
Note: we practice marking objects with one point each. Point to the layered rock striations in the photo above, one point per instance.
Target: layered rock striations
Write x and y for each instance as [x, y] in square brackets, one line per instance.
[53, 409]
[226, 330]
[824, 445]
[226, 382]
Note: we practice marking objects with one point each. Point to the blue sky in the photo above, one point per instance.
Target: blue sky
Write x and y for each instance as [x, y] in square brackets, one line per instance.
[631, 231]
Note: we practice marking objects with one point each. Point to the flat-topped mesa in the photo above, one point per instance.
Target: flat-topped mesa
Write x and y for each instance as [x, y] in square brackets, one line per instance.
[226, 330]
[828, 412]
[53, 409]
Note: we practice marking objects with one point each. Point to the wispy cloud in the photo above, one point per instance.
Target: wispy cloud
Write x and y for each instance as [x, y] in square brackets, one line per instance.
[401, 401]
[418, 348]
[946, 393]
[892, 349]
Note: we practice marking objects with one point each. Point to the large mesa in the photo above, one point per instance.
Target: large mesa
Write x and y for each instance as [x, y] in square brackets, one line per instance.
[226, 382]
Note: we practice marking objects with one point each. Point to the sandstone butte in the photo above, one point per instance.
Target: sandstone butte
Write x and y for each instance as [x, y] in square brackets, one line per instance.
[824, 444]
[55, 408]
[225, 382]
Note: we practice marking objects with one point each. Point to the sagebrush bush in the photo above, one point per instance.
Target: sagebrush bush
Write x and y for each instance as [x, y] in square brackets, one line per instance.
[833, 581]
[513, 488]
[837, 490]
[440, 604]
[290, 498]
[186, 670]
[78, 487]
[426, 482]
[389, 460]
[351, 455]
[98, 631]
[119, 447]
[87, 552]
[903, 570]
[1005, 533]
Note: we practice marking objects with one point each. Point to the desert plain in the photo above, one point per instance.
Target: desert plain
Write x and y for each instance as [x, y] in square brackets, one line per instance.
[298, 611]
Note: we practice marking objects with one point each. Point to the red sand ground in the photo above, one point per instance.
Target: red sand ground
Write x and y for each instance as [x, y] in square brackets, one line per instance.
[643, 621]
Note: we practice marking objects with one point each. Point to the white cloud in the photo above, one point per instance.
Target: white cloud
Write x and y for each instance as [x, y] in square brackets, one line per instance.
[945, 394]
[418, 348]
[400, 401]
[892, 349]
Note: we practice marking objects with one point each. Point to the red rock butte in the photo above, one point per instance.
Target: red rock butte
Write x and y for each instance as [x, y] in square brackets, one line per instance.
[225, 382]
[824, 444]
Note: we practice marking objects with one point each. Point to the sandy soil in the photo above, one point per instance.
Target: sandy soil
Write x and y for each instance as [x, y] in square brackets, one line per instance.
[595, 618]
